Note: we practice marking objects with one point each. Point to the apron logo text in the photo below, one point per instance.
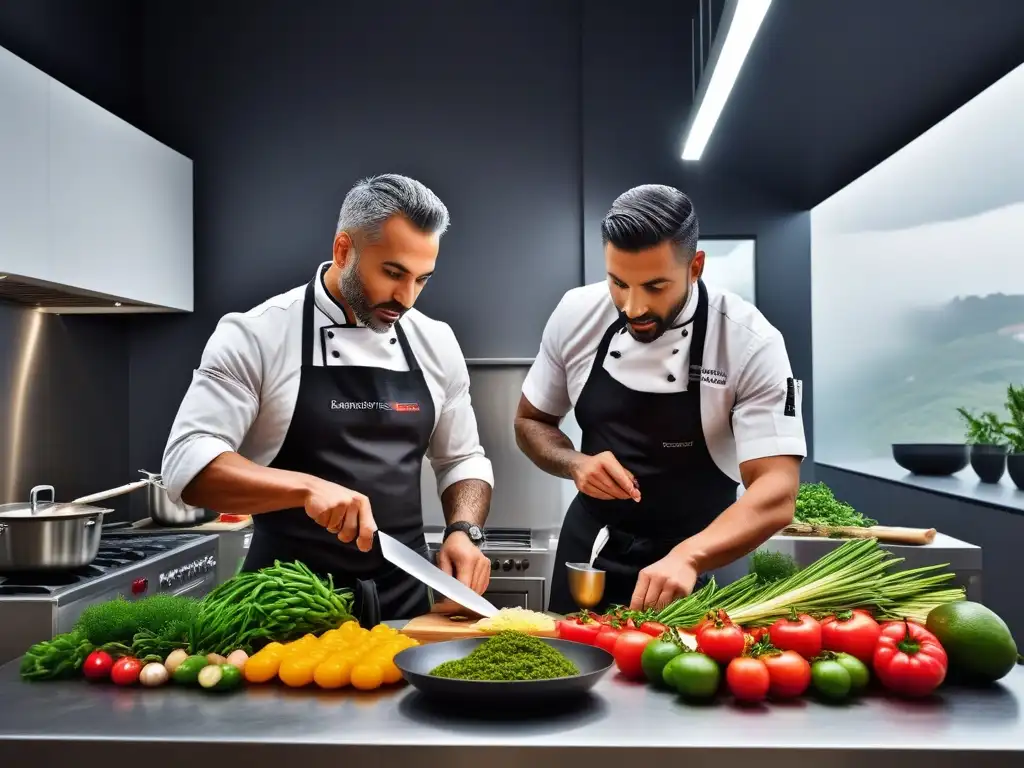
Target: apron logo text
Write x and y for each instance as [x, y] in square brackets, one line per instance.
[372, 405]
[687, 444]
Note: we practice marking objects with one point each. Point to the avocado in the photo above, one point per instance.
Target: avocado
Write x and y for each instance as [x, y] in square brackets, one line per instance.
[978, 642]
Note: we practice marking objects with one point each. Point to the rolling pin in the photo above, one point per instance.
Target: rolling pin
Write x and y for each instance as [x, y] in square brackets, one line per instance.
[880, 532]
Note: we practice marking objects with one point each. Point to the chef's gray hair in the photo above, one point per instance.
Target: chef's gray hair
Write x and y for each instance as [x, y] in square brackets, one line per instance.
[374, 200]
[651, 214]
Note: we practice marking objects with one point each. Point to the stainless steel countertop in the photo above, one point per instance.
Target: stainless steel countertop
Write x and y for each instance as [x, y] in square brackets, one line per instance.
[269, 725]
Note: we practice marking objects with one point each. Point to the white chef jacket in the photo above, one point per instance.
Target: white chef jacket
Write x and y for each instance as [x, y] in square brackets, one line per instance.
[744, 379]
[243, 394]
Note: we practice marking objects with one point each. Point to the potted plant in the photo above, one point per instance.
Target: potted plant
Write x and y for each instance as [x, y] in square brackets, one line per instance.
[985, 436]
[1014, 432]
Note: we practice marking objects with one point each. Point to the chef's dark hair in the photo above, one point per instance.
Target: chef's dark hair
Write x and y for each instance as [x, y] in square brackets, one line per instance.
[651, 214]
[374, 200]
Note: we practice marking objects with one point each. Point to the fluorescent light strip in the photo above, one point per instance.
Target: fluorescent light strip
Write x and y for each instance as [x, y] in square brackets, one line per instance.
[746, 21]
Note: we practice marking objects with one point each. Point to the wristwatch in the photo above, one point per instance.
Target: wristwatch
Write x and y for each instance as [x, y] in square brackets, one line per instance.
[470, 529]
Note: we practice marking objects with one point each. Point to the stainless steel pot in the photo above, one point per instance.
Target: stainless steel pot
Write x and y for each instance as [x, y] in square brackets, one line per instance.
[158, 503]
[47, 535]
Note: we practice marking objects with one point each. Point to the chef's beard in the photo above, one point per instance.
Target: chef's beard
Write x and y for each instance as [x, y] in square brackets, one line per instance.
[354, 294]
[661, 324]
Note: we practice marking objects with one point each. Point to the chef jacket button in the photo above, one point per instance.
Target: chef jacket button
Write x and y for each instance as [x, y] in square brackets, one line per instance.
[335, 353]
[394, 341]
[330, 334]
[671, 377]
[675, 351]
[616, 355]
[685, 333]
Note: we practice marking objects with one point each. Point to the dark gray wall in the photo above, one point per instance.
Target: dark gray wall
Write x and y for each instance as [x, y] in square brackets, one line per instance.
[998, 533]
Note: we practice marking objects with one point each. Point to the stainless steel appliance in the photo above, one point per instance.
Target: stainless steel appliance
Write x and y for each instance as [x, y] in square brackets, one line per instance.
[44, 535]
[158, 503]
[36, 606]
[232, 541]
[522, 561]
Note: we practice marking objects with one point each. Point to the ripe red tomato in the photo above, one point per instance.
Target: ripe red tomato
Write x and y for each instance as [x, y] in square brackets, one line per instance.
[97, 665]
[852, 632]
[577, 632]
[653, 628]
[756, 633]
[909, 659]
[126, 671]
[797, 633]
[722, 642]
[789, 674]
[628, 650]
[748, 679]
[606, 638]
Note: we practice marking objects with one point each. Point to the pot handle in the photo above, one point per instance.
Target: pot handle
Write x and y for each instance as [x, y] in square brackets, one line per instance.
[33, 496]
[119, 491]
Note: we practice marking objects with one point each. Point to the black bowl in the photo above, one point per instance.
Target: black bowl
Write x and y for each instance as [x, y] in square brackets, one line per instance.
[416, 663]
[931, 458]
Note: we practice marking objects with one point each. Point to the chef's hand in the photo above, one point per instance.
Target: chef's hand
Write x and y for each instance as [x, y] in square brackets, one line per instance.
[662, 582]
[602, 477]
[341, 511]
[461, 558]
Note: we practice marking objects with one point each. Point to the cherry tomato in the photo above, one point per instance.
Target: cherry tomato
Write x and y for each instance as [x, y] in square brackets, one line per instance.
[606, 638]
[126, 671]
[97, 665]
[628, 652]
[748, 679]
[909, 659]
[797, 633]
[756, 633]
[852, 632]
[722, 642]
[577, 632]
[789, 674]
[653, 628]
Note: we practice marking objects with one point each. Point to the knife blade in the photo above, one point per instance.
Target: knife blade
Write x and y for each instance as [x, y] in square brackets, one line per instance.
[417, 566]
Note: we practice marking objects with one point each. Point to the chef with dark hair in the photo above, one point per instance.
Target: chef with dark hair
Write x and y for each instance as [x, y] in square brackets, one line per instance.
[314, 410]
[681, 392]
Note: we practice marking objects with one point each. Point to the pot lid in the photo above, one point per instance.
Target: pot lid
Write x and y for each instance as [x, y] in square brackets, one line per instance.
[36, 509]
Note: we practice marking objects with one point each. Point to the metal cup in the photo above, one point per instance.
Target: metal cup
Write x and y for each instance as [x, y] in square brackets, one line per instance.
[586, 585]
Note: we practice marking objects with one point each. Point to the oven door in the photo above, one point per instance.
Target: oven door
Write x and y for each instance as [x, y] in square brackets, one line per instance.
[529, 592]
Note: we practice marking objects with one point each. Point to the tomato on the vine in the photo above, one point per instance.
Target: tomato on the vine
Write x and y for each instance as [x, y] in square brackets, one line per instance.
[853, 632]
[748, 678]
[652, 628]
[579, 632]
[909, 659]
[720, 639]
[628, 652]
[800, 633]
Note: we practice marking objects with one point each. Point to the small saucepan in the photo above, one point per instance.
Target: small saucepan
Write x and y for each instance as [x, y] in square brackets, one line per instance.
[159, 506]
[46, 535]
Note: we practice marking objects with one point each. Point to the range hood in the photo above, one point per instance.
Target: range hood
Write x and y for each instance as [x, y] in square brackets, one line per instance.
[56, 299]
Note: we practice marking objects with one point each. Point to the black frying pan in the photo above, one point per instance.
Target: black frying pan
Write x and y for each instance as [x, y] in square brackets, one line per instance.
[416, 663]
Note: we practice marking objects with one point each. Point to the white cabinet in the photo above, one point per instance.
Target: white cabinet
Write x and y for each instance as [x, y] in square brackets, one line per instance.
[23, 169]
[89, 203]
[120, 206]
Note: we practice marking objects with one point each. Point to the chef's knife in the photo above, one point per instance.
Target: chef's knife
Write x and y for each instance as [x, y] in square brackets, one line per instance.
[417, 566]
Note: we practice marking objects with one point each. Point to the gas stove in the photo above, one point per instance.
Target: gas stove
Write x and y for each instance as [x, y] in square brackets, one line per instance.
[37, 606]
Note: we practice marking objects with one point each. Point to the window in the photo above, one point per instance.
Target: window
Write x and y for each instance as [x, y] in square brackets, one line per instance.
[729, 265]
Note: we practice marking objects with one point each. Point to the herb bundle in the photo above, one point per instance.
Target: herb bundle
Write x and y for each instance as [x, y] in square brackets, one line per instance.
[817, 505]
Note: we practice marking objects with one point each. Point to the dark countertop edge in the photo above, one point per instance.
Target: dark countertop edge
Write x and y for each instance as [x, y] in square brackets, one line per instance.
[920, 486]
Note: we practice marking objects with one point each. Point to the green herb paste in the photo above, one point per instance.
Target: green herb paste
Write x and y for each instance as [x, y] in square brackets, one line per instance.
[509, 656]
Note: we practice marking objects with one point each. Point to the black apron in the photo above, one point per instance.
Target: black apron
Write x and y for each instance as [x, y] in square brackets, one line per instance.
[366, 429]
[658, 437]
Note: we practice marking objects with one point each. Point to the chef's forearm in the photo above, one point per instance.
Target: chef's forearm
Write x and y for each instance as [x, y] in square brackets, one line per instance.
[466, 501]
[547, 446]
[765, 508]
[231, 484]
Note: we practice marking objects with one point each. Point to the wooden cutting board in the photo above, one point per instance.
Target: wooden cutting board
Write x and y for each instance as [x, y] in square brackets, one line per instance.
[435, 627]
[919, 536]
[211, 527]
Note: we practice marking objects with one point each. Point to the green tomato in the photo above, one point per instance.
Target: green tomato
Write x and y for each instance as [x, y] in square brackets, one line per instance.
[187, 672]
[657, 654]
[830, 679]
[693, 675]
[857, 669]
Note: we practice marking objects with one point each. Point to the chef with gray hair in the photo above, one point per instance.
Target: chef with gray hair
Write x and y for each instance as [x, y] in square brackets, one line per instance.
[314, 410]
